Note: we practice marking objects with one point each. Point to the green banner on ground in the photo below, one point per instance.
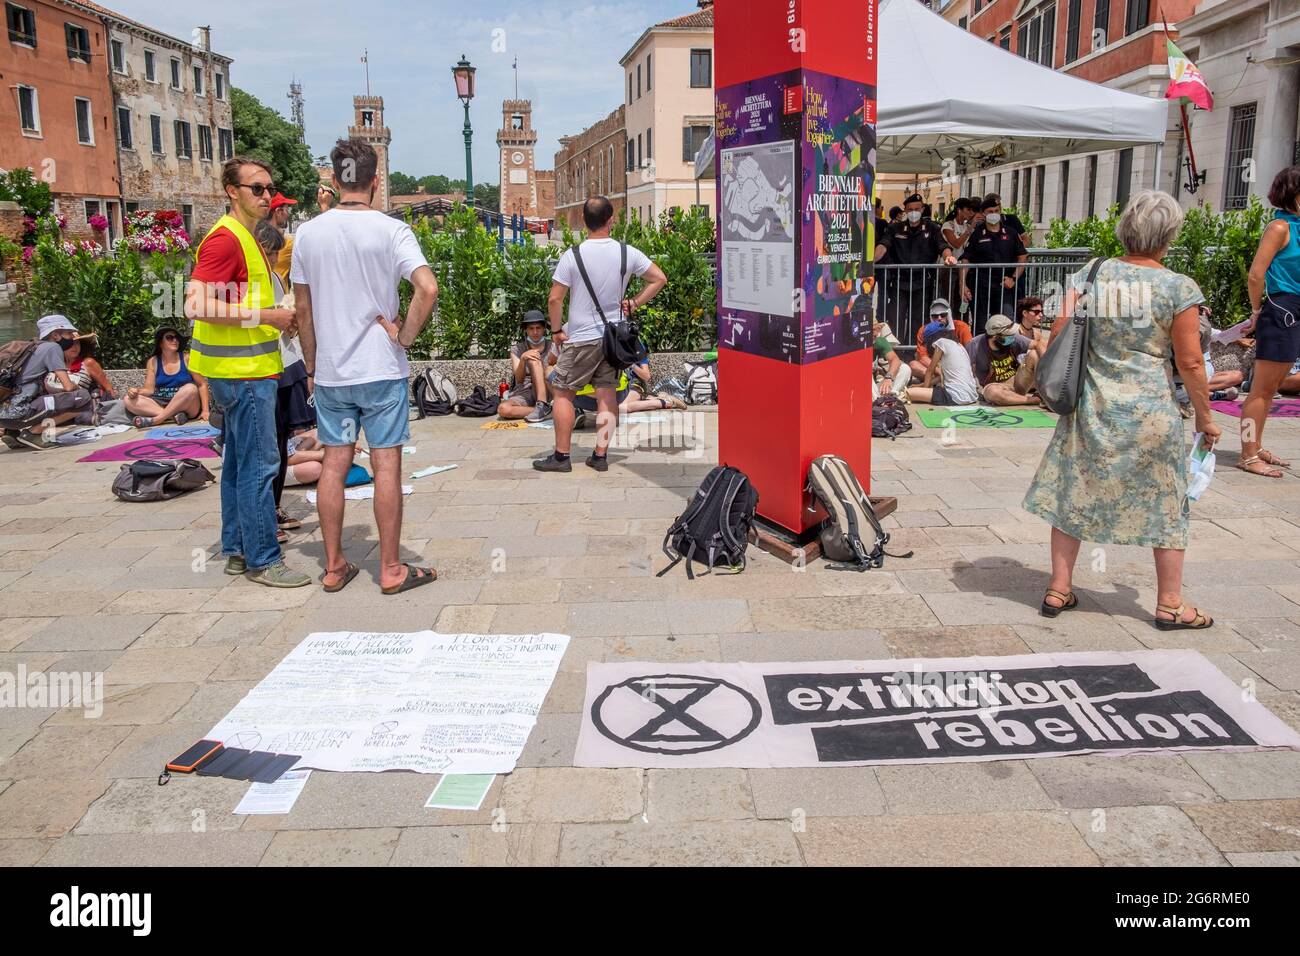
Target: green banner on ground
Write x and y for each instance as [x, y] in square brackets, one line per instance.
[977, 416]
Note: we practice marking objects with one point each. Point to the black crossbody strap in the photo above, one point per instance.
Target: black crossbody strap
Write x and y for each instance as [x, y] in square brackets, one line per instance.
[586, 280]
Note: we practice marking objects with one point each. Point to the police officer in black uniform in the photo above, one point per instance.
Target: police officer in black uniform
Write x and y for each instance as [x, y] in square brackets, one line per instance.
[992, 291]
[918, 241]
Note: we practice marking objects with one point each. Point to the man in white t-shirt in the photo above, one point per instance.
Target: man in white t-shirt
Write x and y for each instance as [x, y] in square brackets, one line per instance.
[951, 364]
[347, 266]
[582, 358]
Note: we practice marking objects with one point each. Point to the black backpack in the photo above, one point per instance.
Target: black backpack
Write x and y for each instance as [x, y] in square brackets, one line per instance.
[148, 480]
[478, 404]
[849, 515]
[433, 394]
[889, 417]
[714, 528]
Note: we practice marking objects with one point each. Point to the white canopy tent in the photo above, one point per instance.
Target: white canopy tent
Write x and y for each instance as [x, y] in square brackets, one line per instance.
[995, 108]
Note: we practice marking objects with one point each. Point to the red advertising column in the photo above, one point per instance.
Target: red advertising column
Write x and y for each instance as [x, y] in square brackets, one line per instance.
[795, 145]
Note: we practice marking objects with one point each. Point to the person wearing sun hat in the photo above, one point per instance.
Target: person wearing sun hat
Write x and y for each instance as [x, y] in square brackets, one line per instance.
[28, 414]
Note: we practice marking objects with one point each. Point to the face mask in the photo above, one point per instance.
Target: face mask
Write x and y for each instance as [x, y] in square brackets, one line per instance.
[993, 218]
[914, 216]
[534, 340]
[1007, 340]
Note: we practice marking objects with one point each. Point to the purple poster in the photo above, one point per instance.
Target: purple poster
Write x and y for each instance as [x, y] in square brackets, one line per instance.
[795, 165]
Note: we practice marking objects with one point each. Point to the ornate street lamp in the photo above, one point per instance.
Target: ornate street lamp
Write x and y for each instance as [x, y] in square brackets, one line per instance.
[464, 74]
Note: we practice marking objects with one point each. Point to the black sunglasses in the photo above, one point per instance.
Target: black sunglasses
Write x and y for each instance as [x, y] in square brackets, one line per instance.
[257, 189]
[171, 337]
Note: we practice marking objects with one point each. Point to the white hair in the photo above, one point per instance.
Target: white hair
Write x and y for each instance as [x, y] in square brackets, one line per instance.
[1149, 223]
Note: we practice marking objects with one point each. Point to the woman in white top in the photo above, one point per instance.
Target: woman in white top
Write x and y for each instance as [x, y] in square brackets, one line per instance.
[951, 364]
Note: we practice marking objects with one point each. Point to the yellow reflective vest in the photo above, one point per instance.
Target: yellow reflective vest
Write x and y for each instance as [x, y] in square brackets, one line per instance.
[237, 351]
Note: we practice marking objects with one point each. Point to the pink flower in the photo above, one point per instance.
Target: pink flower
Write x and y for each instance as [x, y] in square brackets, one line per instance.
[98, 223]
[28, 252]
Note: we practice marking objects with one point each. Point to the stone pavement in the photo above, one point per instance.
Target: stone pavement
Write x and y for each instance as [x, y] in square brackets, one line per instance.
[91, 584]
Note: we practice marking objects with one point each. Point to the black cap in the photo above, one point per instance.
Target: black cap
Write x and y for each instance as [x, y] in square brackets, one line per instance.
[533, 315]
[915, 197]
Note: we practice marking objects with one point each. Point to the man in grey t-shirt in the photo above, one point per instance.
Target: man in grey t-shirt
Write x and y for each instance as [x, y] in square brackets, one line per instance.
[582, 357]
[29, 413]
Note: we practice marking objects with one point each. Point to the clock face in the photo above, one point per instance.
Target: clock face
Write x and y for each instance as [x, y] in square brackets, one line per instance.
[517, 158]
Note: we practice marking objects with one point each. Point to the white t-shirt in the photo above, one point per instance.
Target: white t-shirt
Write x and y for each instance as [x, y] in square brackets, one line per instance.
[353, 261]
[958, 378]
[601, 257]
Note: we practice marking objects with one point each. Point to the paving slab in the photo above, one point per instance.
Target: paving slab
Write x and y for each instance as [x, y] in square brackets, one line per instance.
[1263, 775]
[718, 843]
[572, 795]
[516, 844]
[225, 848]
[1250, 826]
[331, 847]
[796, 793]
[971, 787]
[1101, 780]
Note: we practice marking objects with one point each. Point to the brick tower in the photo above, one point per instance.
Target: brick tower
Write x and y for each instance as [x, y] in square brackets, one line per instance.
[368, 124]
[516, 140]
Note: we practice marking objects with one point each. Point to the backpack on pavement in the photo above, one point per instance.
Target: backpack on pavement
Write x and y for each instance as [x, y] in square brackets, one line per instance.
[13, 357]
[889, 417]
[849, 516]
[478, 404]
[714, 528]
[433, 393]
[702, 383]
[148, 480]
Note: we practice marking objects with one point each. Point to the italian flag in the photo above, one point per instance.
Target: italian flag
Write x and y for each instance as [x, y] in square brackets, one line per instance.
[1185, 80]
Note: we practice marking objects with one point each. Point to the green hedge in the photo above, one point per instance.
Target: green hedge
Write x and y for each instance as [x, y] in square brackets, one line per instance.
[484, 291]
[1214, 249]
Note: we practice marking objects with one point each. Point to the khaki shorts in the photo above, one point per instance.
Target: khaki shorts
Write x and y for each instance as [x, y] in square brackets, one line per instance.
[583, 364]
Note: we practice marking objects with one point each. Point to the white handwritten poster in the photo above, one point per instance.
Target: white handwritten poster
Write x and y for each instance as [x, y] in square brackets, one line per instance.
[433, 703]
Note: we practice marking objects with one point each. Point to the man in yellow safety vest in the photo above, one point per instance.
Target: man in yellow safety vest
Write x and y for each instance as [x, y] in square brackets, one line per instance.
[236, 346]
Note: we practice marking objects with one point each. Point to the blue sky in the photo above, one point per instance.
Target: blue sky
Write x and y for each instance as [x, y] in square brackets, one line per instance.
[568, 54]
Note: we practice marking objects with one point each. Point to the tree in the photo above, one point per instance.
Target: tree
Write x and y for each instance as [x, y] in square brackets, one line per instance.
[262, 133]
[438, 185]
[488, 196]
[400, 184]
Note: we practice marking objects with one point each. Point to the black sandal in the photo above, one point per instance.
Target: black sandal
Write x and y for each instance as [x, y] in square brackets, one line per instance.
[1197, 623]
[415, 577]
[1068, 603]
[349, 572]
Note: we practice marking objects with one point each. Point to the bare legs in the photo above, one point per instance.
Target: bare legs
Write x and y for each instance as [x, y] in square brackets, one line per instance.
[185, 400]
[1254, 413]
[1169, 573]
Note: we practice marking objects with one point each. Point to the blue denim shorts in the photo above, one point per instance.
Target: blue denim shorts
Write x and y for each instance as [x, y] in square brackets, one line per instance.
[379, 409]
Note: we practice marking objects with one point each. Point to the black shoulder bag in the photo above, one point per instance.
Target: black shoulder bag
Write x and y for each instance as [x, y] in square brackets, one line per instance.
[622, 339]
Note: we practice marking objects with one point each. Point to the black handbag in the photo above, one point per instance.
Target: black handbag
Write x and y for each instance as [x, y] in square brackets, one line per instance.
[622, 339]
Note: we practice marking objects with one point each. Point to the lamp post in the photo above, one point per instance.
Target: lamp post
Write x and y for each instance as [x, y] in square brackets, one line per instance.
[464, 74]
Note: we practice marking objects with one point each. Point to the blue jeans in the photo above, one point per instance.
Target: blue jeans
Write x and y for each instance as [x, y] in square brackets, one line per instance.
[249, 466]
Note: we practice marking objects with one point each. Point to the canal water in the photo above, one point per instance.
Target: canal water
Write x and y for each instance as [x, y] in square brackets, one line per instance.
[14, 326]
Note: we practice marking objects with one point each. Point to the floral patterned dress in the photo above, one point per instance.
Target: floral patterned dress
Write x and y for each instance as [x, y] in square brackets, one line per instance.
[1115, 471]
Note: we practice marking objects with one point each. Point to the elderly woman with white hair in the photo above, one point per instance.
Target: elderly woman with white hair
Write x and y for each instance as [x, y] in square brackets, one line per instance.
[1115, 471]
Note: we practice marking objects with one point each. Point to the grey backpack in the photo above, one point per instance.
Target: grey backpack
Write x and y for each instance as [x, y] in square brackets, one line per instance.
[1059, 378]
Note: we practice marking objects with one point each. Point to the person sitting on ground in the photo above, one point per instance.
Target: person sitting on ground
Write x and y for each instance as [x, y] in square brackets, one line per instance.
[30, 412]
[1004, 362]
[638, 397]
[1029, 313]
[940, 312]
[305, 455]
[951, 370]
[531, 360]
[890, 375]
[84, 371]
[171, 390]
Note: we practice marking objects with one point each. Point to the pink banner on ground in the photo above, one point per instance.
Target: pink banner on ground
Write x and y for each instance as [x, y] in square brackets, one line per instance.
[857, 713]
[1281, 408]
[153, 448]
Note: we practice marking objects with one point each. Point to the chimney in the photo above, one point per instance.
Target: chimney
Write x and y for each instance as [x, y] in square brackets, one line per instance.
[205, 39]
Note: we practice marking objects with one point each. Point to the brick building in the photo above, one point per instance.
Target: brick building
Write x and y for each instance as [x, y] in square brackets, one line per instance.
[1118, 43]
[172, 119]
[56, 116]
[368, 125]
[525, 189]
[591, 163]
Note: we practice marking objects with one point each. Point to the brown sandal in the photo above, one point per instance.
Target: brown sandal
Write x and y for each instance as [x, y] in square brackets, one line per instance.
[1068, 603]
[1198, 623]
[1269, 458]
[1269, 472]
[415, 577]
[349, 572]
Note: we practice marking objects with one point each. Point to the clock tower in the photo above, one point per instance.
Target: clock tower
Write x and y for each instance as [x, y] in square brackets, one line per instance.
[516, 140]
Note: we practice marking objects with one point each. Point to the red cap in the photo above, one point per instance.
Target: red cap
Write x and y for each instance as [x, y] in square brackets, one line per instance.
[280, 199]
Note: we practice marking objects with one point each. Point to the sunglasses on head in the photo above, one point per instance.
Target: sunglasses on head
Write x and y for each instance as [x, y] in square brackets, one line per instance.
[257, 189]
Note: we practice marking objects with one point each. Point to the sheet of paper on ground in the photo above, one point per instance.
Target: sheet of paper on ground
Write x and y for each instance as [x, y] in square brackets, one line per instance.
[460, 791]
[434, 703]
[915, 711]
[361, 493]
[271, 798]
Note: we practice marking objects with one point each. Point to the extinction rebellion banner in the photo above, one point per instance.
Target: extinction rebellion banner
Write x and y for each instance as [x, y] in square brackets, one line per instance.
[916, 711]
